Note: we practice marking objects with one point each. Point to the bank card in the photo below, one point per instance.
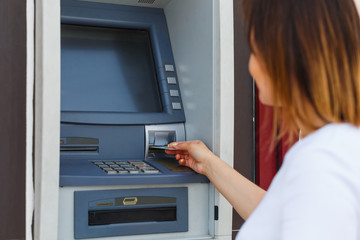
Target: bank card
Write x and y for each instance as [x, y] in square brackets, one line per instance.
[165, 147]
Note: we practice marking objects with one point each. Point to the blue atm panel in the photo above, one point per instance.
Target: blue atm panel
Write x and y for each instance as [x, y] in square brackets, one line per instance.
[82, 146]
[132, 211]
[118, 77]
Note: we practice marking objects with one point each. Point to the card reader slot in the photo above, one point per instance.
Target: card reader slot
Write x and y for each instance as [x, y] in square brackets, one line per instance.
[118, 216]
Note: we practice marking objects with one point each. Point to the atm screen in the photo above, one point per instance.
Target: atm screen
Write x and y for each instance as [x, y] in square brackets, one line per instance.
[108, 70]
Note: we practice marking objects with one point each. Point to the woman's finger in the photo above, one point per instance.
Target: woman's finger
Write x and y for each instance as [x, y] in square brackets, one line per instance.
[180, 156]
[182, 162]
[180, 145]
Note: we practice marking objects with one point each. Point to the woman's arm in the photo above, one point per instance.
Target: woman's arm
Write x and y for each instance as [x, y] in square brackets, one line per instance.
[242, 194]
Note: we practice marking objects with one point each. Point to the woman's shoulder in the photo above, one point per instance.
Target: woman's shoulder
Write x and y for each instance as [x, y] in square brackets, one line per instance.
[320, 178]
[332, 138]
[334, 148]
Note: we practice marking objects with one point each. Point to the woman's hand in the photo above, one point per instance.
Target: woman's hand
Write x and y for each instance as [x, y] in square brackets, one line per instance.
[238, 190]
[193, 154]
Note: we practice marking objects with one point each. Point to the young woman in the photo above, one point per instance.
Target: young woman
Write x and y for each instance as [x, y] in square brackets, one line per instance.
[306, 63]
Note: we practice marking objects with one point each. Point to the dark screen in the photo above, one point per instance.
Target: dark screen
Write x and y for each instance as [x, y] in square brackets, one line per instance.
[107, 70]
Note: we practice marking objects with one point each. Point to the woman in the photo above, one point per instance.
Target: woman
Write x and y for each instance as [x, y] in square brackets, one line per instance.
[306, 63]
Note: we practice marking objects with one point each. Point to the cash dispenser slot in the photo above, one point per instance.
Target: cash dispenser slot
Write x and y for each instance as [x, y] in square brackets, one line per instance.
[107, 213]
[135, 215]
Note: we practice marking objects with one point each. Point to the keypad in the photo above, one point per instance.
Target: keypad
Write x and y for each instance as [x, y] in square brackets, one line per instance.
[126, 167]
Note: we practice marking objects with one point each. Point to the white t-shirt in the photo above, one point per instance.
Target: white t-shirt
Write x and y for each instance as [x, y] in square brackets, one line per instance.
[316, 193]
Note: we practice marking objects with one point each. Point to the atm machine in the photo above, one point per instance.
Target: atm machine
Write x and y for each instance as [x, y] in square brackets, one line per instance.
[121, 104]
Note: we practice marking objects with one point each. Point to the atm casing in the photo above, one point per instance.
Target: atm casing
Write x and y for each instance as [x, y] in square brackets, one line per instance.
[97, 135]
[116, 135]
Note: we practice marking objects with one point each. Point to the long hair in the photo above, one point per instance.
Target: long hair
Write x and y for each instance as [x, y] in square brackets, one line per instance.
[311, 51]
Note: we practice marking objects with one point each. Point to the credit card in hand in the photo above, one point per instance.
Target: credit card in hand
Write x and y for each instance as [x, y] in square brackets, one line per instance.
[162, 147]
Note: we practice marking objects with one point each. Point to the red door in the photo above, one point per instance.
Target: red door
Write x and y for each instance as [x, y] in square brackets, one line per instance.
[269, 154]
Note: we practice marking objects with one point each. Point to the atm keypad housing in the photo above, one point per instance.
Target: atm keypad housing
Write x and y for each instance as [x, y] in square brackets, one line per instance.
[126, 167]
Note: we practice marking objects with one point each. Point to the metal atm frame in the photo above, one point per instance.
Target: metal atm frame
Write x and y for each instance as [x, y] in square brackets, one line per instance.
[191, 207]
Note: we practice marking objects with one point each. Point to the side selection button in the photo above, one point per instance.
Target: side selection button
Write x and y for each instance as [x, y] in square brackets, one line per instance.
[174, 93]
[169, 68]
[176, 105]
[171, 80]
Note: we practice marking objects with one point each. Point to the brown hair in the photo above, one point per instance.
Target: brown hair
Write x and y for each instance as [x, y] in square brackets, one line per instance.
[311, 51]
